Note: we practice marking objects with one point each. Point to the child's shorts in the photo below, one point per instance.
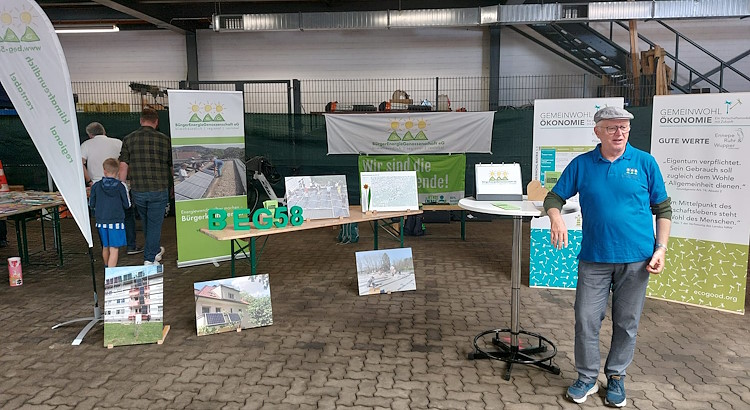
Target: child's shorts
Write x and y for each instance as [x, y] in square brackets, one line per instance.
[112, 235]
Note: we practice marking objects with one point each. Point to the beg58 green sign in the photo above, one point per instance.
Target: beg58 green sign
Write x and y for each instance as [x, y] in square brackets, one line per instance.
[261, 219]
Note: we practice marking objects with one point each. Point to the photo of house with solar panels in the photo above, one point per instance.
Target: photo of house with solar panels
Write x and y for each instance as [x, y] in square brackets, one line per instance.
[231, 304]
[133, 305]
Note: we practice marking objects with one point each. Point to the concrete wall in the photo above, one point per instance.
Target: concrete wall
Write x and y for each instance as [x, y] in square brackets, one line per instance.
[396, 53]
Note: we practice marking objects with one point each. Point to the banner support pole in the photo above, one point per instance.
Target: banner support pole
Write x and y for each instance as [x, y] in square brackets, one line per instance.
[97, 311]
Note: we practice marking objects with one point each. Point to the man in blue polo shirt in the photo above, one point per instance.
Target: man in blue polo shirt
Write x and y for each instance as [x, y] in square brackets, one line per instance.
[619, 188]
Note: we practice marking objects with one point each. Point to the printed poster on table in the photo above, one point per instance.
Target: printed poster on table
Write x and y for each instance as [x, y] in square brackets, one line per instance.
[409, 133]
[702, 147]
[441, 179]
[563, 129]
[208, 151]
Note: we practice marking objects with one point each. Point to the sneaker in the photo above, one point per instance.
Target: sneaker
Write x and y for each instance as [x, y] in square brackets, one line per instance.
[149, 263]
[135, 251]
[580, 390]
[158, 256]
[615, 392]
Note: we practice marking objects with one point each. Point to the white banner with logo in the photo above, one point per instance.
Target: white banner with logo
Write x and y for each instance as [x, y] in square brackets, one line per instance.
[35, 75]
[208, 152]
[702, 145]
[409, 133]
[563, 129]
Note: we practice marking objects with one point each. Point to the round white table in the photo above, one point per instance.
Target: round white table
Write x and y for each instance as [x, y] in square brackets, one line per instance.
[541, 354]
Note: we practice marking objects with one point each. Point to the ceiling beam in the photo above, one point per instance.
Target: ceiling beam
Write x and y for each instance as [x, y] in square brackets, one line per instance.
[158, 22]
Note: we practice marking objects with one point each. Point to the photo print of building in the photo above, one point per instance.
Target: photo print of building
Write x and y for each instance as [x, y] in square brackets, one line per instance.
[320, 197]
[385, 271]
[234, 303]
[133, 305]
[209, 171]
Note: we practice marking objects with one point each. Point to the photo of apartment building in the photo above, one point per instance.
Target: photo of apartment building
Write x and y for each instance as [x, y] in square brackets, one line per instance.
[133, 304]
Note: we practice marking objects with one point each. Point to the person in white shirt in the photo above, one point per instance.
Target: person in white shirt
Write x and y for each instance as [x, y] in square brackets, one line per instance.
[95, 150]
[93, 153]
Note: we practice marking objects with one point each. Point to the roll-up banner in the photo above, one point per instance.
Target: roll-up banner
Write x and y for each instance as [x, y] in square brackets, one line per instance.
[701, 144]
[35, 75]
[208, 151]
[563, 129]
[441, 179]
[409, 133]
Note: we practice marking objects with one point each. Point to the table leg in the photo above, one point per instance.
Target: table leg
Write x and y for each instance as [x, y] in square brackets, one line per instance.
[401, 229]
[463, 225]
[252, 256]
[232, 257]
[375, 234]
[510, 352]
[515, 282]
[58, 234]
[25, 253]
[19, 242]
[41, 222]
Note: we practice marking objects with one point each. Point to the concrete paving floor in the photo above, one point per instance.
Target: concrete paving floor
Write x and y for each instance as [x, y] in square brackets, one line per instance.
[330, 348]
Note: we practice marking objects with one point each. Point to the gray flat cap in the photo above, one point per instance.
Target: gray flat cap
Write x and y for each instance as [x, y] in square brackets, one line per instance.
[612, 113]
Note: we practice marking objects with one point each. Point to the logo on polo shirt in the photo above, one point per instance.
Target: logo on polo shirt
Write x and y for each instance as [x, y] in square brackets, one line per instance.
[631, 171]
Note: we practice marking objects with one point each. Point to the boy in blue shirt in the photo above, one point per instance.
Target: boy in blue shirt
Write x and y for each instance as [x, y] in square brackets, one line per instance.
[109, 199]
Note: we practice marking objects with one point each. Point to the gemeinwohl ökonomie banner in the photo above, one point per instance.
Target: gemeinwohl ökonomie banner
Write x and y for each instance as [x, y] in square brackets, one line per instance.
[701, 144]
[35, 75]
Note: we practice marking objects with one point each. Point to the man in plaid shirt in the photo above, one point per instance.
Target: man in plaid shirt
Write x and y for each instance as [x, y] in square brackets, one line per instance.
[146, 159]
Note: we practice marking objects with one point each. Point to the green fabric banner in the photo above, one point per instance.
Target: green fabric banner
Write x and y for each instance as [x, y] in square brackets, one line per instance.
[441, 179]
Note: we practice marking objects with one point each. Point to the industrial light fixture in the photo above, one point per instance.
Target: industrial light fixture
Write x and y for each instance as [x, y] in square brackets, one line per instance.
[86, 28]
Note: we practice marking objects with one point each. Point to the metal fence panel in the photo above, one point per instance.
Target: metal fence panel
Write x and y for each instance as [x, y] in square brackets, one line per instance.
[367, 94]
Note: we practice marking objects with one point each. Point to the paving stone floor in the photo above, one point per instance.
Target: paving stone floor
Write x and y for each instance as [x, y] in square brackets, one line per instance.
[330, 348]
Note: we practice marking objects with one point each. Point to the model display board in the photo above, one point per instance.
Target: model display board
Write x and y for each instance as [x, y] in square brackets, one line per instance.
[320, 197]
[385, 271]
[231, 304]
[498, 182]
[389, 191]
[133, 305]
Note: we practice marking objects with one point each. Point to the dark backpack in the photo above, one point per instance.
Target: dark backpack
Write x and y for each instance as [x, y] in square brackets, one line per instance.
[414, 225]
[349, 233]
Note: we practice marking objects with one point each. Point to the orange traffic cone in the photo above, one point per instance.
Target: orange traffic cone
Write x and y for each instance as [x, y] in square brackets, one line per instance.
[3, 181]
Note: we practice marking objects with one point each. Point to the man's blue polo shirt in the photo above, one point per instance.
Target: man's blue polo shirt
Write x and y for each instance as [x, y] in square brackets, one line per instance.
[616, 199]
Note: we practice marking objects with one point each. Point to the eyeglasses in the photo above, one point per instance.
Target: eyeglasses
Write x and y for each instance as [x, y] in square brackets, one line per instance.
[612, 129]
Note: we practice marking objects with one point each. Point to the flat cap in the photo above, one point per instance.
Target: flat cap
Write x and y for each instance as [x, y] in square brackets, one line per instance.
[612, 113]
